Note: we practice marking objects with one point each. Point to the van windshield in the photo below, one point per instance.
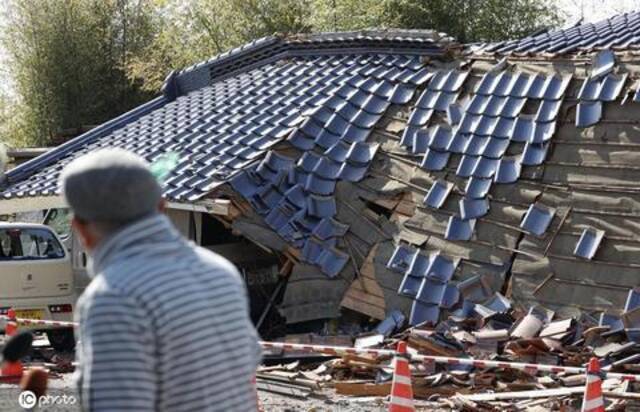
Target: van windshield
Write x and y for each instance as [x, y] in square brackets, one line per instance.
[29, 244]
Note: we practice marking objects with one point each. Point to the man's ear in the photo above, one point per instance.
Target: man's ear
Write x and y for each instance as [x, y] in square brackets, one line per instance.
[162, 206]
[86, 235]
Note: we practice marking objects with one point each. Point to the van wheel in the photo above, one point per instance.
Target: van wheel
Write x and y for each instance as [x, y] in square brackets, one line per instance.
[62, 340]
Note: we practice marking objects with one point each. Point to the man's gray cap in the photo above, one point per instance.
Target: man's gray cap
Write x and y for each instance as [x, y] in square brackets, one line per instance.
[110, 185]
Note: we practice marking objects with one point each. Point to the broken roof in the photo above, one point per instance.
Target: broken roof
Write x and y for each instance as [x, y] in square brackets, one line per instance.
[620, 32]
[388, 156]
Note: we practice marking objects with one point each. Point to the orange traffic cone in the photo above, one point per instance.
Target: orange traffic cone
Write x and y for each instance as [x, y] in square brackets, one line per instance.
[593, 400]
[401, 390]
[11, 328]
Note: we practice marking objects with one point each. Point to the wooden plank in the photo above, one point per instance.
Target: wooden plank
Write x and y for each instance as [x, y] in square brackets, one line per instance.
[359, 306]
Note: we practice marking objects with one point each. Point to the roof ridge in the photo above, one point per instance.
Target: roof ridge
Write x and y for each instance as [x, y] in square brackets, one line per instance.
[616, 31]
[263, 50]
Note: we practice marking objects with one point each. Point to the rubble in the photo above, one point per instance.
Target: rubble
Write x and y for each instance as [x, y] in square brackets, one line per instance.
[494, 330]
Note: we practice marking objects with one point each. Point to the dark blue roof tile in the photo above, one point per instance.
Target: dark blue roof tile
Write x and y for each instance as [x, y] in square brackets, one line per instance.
[485, 167]
[588, 113]
[408, 136]
[296, 196]
[467, 165]
[332, 261]
[486, 125]
[469, 123]
[362, 153]
[502, 84]
[402, 93]
[494, 105]
[523, 129]
[459, 229]
[534, 154]
[329, 228]
[441, 267]
[419, 265]
[401, 258]
[603, 63]
[431, 291]
[409, 285]
[321, 206]
[476, 145]
[338, 152]
[454, 114]
[487, 83]
[588, 243]
[444, 100]
[424, 314]
[611, 87]
[421, 76]
[365, 120]
[590, 89]
[374, 104]
[458, 142]
[308, 161]
[434, 160]
[495, 148]
[477, 188]
[508, 170]
[537, 86]
[555, 86]
[318, 185]
[312, 250]
[473, 208]
[512, 107]
[326, 139]
[354, 134]
[548, 111]
[440, 137]
[428, 99]
[537, 219]
[347, 110]
[352, 172]
[437, 194]
[503, 128]
[420, 117]
[478, 103]
[327, 168]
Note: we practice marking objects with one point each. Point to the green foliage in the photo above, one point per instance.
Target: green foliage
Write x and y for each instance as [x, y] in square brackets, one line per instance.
[80, 62]
[474, 20]
[67, 60]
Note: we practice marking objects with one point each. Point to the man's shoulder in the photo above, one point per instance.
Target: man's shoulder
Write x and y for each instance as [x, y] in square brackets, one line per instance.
[215, 261]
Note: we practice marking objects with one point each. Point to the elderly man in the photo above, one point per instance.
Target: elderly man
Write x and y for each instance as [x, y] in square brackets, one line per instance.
[164, 325]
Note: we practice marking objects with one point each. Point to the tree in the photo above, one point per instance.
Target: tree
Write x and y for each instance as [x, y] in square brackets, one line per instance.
[474, 20]
[67, 60]
[81, 62]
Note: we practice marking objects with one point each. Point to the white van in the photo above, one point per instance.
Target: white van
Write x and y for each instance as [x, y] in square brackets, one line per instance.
[36, 278]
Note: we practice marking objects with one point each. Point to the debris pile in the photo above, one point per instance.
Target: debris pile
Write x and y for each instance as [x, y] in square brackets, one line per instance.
[493, 331]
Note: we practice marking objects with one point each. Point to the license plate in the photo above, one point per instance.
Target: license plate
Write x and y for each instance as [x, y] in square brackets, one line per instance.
[30, 313]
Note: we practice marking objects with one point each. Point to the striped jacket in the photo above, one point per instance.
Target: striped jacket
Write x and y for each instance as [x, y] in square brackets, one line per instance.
[164, 326]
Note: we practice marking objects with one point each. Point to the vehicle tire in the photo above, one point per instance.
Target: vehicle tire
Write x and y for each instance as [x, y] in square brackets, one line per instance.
[62, 340]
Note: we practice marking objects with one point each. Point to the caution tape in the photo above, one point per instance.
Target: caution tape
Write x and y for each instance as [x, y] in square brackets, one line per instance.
[345, 350]
[480, 364]
[42, 322]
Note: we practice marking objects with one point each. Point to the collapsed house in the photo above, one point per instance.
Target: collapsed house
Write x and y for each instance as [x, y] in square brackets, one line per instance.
[397, 171]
